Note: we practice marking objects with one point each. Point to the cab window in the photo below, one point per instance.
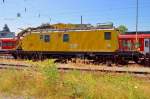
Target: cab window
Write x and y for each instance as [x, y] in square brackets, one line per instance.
[107, 35]
[47, 38]
[66, 38]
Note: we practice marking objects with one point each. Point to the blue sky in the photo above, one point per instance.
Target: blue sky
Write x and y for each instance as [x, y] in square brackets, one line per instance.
[69, 11]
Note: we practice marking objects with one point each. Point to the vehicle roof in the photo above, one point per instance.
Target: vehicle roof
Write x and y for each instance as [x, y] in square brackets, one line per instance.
[8, 39]
[139, 32]
[134, 36]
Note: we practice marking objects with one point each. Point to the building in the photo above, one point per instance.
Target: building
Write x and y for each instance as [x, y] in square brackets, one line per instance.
[4, 34]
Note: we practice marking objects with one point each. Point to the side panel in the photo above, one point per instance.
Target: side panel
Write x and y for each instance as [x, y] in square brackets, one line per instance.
[79, 41]
[142, 44]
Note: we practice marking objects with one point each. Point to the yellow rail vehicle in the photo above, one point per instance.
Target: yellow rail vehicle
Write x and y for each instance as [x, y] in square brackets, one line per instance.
[67, 41]
[70, 41]
[96, 40]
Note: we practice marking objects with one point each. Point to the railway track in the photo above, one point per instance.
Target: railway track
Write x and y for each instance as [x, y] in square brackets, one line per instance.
[106, 69]
[13, 66]
[141, 72]
[6, 56]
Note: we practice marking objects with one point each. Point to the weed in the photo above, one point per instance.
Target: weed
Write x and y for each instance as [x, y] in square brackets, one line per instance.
[44, 81]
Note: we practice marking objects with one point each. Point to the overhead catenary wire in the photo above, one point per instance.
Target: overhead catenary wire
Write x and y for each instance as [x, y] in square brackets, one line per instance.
[93, 9]
[87, 13]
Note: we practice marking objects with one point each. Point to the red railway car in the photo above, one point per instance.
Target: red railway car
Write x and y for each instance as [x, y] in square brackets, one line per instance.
[7, 43]
[128, 42]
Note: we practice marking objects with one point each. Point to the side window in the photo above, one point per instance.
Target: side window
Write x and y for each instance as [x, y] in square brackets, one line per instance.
[4, 44]
[107, 35]
[129, 44]
[11, 44]
[138, 44]
[124, 43]
[46, 38]
[66, 38]
[146, 44]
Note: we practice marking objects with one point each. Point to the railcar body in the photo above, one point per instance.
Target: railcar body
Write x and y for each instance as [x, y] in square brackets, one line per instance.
[7, 43]
[100, 40]
[68, 43]
[129, 43]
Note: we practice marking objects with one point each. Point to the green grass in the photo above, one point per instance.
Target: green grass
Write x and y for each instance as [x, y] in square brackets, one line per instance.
[44, 81]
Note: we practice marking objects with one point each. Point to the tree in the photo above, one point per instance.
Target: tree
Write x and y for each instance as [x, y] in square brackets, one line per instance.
[6, 28]
[123, 29]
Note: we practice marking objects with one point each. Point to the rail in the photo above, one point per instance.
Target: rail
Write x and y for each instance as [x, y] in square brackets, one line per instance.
[136, 71]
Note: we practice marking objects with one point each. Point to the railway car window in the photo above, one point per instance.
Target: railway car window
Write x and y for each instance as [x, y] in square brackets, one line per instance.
[8, 44]
[107, 35]
[129, 44]
[138, 44]
[46, 38]
[66, 38]
[146, 44]
[4, 44]
[124, 43]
